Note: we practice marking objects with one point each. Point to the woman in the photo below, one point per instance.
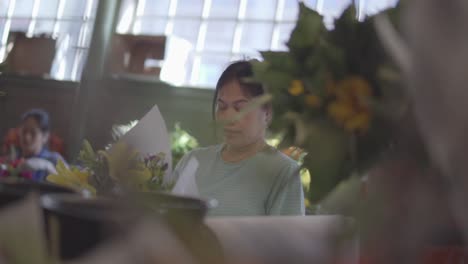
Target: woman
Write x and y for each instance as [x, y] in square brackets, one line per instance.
[244, 174]
[34, 136]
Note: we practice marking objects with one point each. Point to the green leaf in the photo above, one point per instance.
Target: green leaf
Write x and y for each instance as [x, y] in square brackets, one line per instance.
[260, 69]
[275, 80]
[88, 156]
[307, 31]
[312, 62]
[315, 84]
[327, 148]
[283, 61]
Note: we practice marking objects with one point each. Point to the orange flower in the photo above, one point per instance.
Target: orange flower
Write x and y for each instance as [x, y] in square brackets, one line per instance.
[296, 88]
[358, 122]
[341, 111]
[350, 108]
[313, 100]
[329, 84]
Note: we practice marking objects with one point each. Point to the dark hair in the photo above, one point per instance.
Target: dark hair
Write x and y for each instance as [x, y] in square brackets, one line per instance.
[41, 117]
[239, 71]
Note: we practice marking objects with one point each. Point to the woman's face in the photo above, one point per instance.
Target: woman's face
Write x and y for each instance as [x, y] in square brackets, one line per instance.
[32, 139]
[247, 130]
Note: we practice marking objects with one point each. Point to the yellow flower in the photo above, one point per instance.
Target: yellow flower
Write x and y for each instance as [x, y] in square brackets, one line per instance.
[72, 178]
[330, 85]
[350, 108]
[353, 88]
[125, 165]
[312, 100]
[296, 88]
[340, 111]
[124, 162]
[359, 122]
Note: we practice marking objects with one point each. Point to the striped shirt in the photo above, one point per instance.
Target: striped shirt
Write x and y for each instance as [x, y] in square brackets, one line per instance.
[267, 183]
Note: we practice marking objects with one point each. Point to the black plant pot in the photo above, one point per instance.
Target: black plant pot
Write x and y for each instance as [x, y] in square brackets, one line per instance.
[12, 190]
[175, 210]
[75, 225]
[185, 216]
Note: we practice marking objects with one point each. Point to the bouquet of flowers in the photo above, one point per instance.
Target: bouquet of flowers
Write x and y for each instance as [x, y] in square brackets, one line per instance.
[335, 95]
[108, 172]
[14, 168]
[123, 166]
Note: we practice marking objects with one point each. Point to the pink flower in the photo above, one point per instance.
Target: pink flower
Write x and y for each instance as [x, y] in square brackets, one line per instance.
[4, 173]
[26, 174]
[16, 163]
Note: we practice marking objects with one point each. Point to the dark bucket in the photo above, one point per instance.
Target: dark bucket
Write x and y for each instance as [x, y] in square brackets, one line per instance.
[175, 210]
[12, 190]
[185, 216]
[75, 225]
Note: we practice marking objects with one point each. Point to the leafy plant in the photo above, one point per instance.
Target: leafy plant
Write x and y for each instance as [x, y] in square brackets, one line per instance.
[330, 97]
[120, 168]
[181, 143]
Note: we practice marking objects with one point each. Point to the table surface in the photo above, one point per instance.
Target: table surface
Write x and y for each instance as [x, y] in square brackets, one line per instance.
[297, 239]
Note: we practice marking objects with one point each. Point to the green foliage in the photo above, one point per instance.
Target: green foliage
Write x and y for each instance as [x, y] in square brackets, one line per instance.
[88, 157]
[181, 143]
[307, 32]
[332, 96]
[120, 167]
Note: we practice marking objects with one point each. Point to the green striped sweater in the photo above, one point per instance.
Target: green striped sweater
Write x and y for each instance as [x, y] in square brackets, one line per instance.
[267, 183]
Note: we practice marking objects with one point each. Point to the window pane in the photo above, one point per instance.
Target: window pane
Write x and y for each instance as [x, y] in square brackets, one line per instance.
[334, 8]
[3, 8]
[151, 26]
[74, 8]
[261, 9]
[187, 29]
[2, 28]
[373, 7]
[44, 26]
[219, 36]
[78, 64]
[290, 10]
[256, 36]
[63, 65]
[2, 44]
[126, 16]
[19, 24]
[23, 8]
[94, 8]
[246, 56]
[156, 7]
[2, 52]
[85, 34]
[189, 8]
[178, 61]
[211, 68]
[312, 3]
[284, 33]
[48, 8]
[71, 29]
[224, 8]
